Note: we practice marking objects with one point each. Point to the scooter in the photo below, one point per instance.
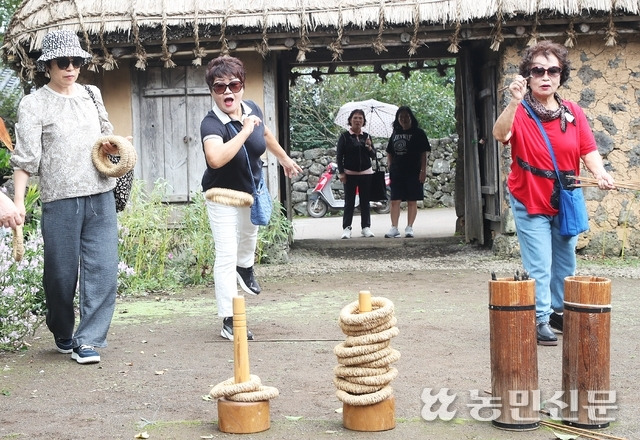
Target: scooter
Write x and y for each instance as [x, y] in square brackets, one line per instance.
[322, 200]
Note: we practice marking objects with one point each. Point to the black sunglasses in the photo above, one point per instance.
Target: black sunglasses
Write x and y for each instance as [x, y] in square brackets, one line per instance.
[234, 86]
[538, 72]
[63, 63]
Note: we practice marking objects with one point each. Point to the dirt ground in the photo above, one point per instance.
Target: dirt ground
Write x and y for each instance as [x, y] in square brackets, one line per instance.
[165, 352]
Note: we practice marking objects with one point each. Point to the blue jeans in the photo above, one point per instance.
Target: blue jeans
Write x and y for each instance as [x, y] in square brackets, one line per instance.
[235, 239]
[546, 255]
[81, 249]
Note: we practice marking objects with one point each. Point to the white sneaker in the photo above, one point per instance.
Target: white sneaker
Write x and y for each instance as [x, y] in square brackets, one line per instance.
[408, 232]
[393, 233]
[346, 233]
[366, 232]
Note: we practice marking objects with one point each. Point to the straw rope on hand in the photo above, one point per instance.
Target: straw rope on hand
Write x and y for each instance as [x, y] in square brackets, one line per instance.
[126, 151]
[18, 244]
[364, 371]
[251, 391]
[229, 197]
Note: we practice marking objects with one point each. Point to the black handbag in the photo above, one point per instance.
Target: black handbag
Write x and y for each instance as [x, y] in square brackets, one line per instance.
[378, 190]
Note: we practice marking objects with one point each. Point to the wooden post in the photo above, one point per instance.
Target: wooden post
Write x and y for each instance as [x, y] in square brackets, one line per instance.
[240, 345]
[370, 418]
[514, 353]
[364, 301]
[242, 417]
[586, 351]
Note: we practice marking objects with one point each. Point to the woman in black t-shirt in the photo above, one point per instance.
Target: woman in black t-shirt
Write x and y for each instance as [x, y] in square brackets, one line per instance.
[407, 160]
[231, 125]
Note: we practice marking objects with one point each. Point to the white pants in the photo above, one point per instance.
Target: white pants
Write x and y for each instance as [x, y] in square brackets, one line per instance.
[235, 239]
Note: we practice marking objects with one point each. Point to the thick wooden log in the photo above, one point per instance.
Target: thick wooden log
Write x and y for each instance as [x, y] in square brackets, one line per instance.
[586, 351]
[243, 417]
[514, 353]
[370, 418]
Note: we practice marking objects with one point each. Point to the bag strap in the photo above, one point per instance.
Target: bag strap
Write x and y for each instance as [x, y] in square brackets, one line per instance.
[253, 182]
[546, 138]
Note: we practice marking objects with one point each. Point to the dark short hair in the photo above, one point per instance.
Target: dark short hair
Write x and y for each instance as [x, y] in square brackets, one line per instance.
[354, 112]
[404, 108]
[546, 48]
[224, 66]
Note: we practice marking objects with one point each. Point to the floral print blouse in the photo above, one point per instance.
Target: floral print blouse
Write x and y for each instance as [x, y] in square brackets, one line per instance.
[55, 134]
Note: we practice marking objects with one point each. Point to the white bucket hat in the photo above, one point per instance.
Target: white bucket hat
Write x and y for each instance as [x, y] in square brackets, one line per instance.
[60, 44]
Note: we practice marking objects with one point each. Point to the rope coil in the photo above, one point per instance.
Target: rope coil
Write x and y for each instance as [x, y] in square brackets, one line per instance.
[126, 151]
[364, 371]
[251, 391]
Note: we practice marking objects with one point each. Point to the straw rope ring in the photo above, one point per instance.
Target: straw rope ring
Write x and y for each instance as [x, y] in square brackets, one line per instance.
[263, 393]
[18, 244]
[344, 371]
[379, 380]
[346, 352]
[371, 338]
[366, 358]
[354, 388]
[366, 399]
[384, 361]
[229, 387]
[101, 159]
[382, 308]
[229, 197]
[370, 327]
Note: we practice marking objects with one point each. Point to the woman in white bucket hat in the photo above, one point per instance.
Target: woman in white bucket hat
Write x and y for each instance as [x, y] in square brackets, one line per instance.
[57, 127]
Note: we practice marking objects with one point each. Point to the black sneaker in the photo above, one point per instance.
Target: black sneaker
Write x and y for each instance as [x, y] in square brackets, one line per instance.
[555, 321]
[64, 346]
[247, 280]
[546, 335]
[227, 329]
[85, 354]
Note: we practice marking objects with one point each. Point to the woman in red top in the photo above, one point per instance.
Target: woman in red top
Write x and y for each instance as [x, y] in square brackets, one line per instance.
[547, 256]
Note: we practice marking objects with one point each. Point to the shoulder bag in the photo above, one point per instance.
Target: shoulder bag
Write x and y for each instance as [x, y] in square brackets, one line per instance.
[262, 204]
[572, 209]
[378, 189]
[122, 191]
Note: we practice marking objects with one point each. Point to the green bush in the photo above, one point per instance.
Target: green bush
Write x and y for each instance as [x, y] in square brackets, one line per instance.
[162, 247]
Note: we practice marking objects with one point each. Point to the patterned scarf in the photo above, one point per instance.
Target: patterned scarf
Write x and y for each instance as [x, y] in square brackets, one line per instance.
[549, 115]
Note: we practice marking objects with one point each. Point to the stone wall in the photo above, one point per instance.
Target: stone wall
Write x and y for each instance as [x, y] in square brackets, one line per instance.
[439, 188]
[605, 82]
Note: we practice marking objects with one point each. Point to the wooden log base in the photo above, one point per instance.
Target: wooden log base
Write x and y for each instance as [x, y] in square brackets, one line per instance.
[370, 418]
[243, 417]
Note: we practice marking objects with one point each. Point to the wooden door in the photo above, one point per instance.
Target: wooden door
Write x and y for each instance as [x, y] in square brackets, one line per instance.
[171, 105]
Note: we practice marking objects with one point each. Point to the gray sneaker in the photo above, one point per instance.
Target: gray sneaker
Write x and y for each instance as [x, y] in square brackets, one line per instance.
[408, 232]
[393, 233]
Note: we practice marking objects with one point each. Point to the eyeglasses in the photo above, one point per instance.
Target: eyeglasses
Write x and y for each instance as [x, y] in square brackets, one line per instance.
[553, 71]
[234, 86]
[63, 63]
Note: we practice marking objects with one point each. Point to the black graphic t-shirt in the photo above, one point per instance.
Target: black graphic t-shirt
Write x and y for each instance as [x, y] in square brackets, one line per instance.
[406, 148]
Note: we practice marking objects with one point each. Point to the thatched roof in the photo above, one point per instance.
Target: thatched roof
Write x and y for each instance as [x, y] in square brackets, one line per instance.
[162, 29]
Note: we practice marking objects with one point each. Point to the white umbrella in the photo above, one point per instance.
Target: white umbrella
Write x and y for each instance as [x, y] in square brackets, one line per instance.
[379, 116]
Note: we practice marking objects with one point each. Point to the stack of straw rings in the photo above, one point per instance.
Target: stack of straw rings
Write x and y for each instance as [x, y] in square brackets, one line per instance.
[106, 166]
[365, 357]
[250, 391]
